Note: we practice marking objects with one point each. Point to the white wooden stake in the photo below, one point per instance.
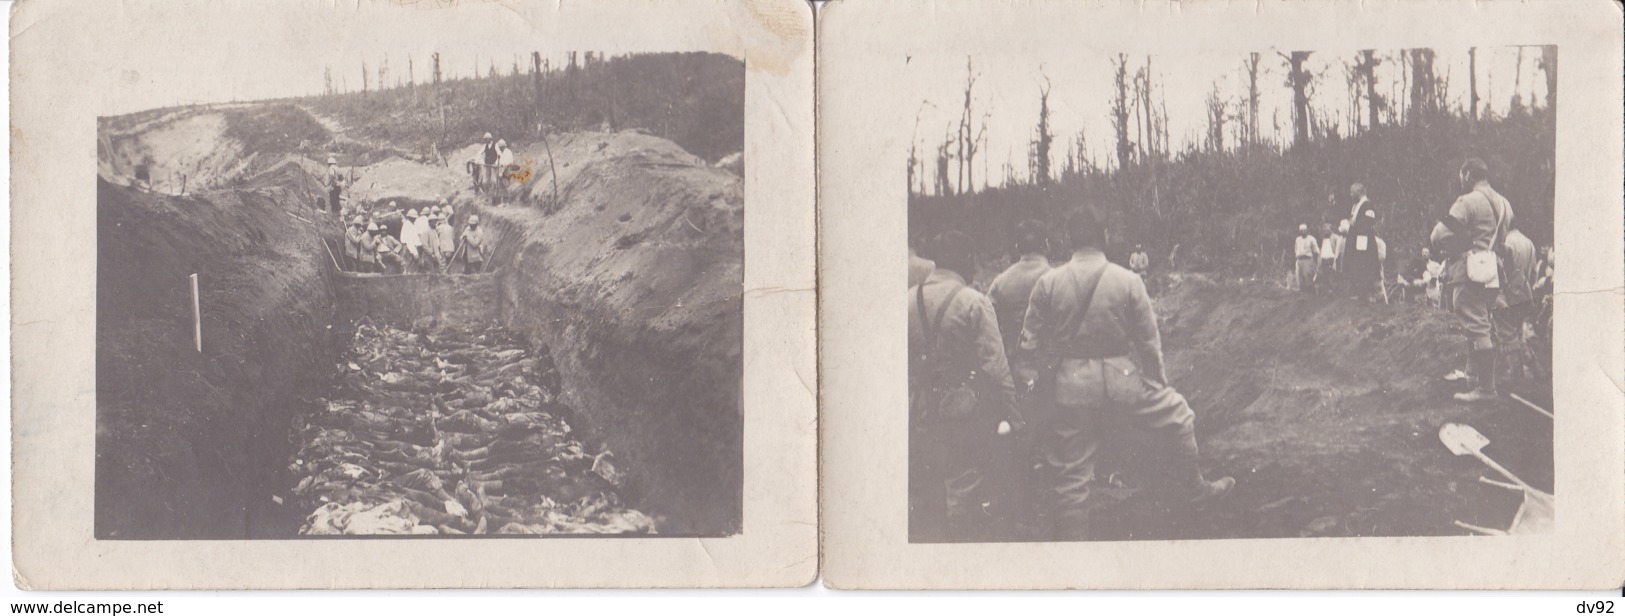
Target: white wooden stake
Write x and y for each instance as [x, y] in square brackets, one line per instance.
[197, 318]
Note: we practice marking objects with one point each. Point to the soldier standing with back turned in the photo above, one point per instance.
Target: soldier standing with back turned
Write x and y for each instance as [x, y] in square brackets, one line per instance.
[960, 397]
[1092, 320]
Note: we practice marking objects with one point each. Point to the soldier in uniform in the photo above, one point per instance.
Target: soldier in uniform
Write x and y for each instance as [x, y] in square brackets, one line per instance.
[1093, 322]
[960, 397]
[1476, 224]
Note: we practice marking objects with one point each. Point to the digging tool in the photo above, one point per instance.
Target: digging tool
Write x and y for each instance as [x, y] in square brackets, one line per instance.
[1532, 405]
[453, 259]
[331, 256]
[1463, 440]
[1535, 514]
[487, 260]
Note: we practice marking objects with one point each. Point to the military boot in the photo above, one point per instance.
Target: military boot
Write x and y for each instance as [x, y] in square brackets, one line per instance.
[1484, 368]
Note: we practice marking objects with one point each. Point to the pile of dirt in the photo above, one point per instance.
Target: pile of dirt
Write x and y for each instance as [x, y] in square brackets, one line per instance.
[452, 430]
[198, 149]
[1327, 410]
[403, 179]
[635, 273]
[187, 443]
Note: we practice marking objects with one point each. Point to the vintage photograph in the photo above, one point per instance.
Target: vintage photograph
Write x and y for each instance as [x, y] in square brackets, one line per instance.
[1270, 294]
[461, 292]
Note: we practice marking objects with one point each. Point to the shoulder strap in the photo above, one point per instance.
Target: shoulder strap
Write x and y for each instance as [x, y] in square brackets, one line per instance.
[929, 326]
[1090, 284]
[1495, 211]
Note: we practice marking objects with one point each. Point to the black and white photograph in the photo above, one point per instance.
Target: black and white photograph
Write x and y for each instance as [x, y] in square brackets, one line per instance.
[463, 292]
[1280, 293]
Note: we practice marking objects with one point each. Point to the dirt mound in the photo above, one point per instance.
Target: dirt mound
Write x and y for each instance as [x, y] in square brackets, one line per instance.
[399, 178]
[636, 274]
[202, 148]
[187, 443]
[1326, 410]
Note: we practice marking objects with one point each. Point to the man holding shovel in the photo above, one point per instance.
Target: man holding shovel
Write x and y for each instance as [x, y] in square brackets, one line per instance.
[475, 247]
[445, 240]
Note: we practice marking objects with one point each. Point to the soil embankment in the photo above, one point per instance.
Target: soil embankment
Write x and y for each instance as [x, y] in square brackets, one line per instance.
[188, 444]
[1327, 410]
[635, 274]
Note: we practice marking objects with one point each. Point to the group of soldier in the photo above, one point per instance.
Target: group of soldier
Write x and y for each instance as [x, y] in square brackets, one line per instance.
[1513, 278]
[1056, 357]
[426, 243]
[1066, 358]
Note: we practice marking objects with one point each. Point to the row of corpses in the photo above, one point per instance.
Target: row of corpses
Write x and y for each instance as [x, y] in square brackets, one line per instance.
[441, 430]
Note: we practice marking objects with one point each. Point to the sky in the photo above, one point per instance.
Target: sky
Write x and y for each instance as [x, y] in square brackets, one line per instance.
[250, 50]
[1081, 89]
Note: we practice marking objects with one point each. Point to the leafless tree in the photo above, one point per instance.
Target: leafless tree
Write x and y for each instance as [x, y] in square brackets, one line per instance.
[1472, 86]
[1300, 80]
[1368, 72]
[1251, 67]
[1120, 112]
[1216, 110]
[1042, 137]
[1517, 83]
[971, 136]
[1548, 66]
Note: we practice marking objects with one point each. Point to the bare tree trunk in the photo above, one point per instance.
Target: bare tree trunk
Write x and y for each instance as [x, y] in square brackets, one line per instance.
[1517, 82]
[1298, 78]
[1548, 65]
[1368, 63]
[1472, 87]
[1252, 98]
[1120, 112]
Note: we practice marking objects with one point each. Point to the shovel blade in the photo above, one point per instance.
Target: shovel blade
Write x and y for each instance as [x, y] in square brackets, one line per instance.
[1462, 439]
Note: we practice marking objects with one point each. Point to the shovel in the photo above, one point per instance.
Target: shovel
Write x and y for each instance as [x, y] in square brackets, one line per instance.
[1463, 440]
[1535, 514]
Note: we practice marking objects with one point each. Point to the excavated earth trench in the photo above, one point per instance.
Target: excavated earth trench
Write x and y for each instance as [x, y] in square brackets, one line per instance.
[553, 395]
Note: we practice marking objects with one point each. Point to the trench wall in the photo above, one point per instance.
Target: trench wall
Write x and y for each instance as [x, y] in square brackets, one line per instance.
[190, 445]
[664, 399]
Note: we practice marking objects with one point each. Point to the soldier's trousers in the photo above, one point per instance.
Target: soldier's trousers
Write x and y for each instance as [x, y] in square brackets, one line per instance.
[1472, 303]
[1509, 342]
[1097, 401]
[945, 480]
